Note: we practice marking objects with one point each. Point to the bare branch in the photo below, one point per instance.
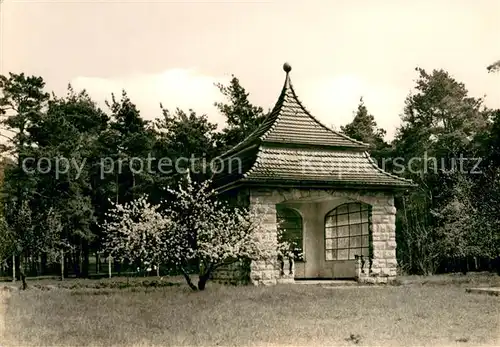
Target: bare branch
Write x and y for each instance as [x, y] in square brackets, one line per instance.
[5, 136]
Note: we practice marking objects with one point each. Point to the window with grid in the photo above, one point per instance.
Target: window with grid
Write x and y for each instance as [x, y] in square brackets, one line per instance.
[347, 232]
[290, 225]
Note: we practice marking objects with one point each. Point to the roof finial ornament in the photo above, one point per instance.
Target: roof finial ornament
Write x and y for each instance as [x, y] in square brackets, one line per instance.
[287, 67]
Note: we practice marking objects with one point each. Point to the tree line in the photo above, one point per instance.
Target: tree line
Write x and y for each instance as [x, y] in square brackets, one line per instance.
[47, 219]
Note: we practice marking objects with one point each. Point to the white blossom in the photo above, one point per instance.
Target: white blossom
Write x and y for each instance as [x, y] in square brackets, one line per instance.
[195, 226]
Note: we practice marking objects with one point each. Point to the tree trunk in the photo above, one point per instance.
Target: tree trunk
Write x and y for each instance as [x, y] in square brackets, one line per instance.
[22, 275]
[44, 264]
[13, 268]
[109, 267]
[205, 276]
[66, 265]
[86, 261]
[62, 265]
[34, 266]
[188, 279]
[39, 265]
[118, 267]
[77, 262]
[202, 282]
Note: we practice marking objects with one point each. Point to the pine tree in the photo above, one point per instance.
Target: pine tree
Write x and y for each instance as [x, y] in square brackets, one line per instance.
[364, 128]
[242, 117]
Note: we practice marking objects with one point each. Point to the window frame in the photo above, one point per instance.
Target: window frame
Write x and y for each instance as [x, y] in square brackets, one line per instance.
[360, 208]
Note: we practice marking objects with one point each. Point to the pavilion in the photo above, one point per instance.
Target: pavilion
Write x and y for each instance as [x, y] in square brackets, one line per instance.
[333, 198]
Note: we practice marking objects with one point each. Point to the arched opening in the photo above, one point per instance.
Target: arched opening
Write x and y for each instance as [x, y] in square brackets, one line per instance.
[290, 226]
[348, 232]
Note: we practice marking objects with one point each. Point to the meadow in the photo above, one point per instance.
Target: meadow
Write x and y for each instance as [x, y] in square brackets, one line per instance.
[434, 311]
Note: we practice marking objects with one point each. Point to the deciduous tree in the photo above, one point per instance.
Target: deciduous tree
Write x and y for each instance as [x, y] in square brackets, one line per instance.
[195, 226]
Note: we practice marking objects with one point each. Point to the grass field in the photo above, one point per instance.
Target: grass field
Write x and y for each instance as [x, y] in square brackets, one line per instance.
[298, 315]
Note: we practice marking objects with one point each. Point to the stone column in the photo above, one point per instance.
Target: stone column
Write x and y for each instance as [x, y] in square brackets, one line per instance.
[384, 263]
[265, 272]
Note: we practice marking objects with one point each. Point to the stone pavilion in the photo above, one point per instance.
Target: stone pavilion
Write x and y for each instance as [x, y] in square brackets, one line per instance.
[333, 199]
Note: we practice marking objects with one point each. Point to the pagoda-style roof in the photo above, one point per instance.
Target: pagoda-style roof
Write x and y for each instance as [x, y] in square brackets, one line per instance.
[293, 148]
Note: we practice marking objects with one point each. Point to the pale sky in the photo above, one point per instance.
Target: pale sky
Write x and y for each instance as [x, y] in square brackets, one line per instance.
[173, 51]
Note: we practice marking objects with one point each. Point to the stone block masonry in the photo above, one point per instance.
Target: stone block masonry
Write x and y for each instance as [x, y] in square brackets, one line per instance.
[233, 273]
[383, 265]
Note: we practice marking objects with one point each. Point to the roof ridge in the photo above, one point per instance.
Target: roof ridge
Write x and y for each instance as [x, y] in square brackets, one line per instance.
[255, 164]
[277, 106]
[273, 119]
[372, 162]
[269, 153]
[319, 122]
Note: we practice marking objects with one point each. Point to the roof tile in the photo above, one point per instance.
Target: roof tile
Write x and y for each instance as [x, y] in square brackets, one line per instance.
[319, 165]
[293, 146]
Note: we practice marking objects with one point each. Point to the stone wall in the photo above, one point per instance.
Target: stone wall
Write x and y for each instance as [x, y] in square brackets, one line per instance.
[383, 264]
[262, 271]
[234, 273]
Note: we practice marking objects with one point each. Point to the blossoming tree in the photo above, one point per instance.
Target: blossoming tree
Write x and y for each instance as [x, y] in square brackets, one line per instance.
[194, 227]
[136, 231]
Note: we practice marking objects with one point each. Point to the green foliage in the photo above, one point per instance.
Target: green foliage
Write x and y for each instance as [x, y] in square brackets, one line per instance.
[65, 208]
[7, 241]
[242, 117]
[494, 67]
[22, 100]
[452, 213]
[128, 136]
[364, 128]
[187, 134]
[184, 135]
[440, 125]
[22, 103]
